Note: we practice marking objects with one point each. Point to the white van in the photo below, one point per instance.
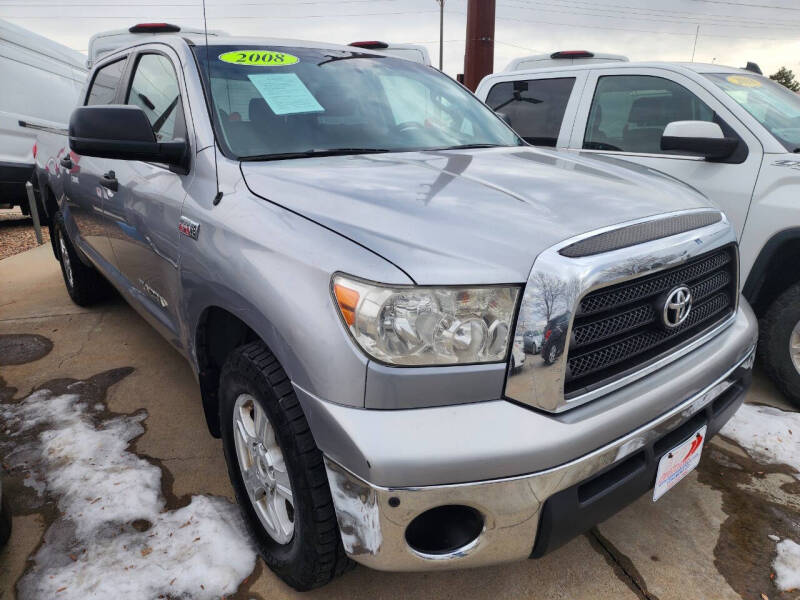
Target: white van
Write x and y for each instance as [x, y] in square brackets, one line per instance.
[41, 82]
[562, 58]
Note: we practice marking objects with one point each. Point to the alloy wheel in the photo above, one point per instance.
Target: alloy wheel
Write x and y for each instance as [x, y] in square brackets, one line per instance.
[263, 468]
[794, 346]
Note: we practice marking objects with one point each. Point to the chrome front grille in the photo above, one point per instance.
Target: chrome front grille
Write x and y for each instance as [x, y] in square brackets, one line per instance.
[593, 318]
[619, 328]
[619, 295]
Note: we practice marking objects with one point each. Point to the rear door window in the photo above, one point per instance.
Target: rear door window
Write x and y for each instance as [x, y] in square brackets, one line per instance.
[629, 113]
[535, 108]
[105, 82]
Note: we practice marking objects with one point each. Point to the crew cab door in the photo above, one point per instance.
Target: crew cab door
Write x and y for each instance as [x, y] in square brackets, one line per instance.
[145, 209]
[85, 190]
[623, 113]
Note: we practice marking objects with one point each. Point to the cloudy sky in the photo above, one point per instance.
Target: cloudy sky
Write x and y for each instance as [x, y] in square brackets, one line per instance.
[730, 31]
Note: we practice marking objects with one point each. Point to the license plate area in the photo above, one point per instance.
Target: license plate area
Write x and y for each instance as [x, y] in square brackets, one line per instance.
[678, 462]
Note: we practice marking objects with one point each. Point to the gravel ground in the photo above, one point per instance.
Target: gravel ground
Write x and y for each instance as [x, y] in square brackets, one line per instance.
[16, 233]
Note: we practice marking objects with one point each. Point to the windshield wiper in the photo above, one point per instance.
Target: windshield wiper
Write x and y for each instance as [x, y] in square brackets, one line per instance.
[470, 146]
[313, 153]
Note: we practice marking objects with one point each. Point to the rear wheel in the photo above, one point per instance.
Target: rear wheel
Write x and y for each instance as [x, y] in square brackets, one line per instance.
[84, 284]
[779, 345]
[277, 471]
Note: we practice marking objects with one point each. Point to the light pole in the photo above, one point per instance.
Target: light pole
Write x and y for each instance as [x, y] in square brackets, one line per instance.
[441, 32]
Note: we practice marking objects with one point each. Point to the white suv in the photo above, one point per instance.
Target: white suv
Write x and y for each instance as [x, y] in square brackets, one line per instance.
[729, 133]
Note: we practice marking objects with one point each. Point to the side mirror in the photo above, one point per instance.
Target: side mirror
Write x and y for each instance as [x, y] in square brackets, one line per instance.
[703, 138]
[122, 132]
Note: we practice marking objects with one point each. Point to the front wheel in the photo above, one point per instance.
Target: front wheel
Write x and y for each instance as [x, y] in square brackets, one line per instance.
[277, 471]
[779, 345]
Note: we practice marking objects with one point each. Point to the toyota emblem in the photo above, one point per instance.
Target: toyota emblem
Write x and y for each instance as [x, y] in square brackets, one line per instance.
[677, 307]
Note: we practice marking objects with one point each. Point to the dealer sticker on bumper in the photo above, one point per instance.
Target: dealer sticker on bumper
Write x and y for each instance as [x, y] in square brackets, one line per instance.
[678, 463]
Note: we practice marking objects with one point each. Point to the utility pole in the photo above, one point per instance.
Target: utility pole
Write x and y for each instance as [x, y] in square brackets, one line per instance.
[479, 56]
[441, 32]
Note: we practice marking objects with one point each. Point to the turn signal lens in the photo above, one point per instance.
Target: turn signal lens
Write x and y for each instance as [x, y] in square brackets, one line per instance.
[348, 302]
[408, 325]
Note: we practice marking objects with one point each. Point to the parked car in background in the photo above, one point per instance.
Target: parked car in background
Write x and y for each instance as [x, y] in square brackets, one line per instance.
[412, 52]
[555, 338]
[344, 270]
[729, 133]
[532, 341]
[41, 82]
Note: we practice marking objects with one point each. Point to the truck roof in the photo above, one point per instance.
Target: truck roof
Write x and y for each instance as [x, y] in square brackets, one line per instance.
[107, 42]
[112, 41]
[562, 58]
[674, 66]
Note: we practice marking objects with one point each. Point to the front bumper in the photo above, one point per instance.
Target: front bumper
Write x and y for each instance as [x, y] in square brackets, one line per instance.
[527, 515]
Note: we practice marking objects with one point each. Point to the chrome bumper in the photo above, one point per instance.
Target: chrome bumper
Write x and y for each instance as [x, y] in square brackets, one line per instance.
[373, 519]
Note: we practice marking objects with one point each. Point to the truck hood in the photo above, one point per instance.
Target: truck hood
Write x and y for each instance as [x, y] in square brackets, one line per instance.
[465, 216]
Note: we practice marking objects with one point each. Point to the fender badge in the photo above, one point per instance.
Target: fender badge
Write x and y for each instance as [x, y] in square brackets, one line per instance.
[189, 228]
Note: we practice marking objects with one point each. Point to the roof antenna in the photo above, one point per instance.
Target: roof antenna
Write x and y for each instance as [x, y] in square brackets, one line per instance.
[218, 195]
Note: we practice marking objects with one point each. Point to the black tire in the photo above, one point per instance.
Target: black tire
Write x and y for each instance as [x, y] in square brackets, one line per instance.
[84, 284]
[314, 555]
[776, 327]
[5, 522]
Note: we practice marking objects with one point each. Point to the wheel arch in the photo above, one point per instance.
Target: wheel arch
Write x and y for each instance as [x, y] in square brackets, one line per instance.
[774, 269]
[217, 333]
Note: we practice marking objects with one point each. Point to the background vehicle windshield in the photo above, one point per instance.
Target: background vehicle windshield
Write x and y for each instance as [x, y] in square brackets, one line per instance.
[774, 106]
[282, 100]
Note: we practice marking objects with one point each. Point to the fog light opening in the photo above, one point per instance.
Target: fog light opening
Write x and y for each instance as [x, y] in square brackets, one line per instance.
[444, 529]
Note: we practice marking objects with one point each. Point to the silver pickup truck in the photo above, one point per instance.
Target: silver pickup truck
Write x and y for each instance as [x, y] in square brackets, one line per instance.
[349, 249]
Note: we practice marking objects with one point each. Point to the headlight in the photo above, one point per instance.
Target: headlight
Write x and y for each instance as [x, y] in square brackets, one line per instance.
[427, 325]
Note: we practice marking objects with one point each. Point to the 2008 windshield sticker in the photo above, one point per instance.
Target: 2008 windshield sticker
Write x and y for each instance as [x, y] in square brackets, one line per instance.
[259, 58]
[744, 81]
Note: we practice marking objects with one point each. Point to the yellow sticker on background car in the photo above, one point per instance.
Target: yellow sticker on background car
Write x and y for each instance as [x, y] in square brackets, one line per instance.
[259, 58]
[744, 81]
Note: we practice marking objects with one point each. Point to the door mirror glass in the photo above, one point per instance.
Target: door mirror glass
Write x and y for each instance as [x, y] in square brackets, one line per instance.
[702, 138]
[121, 132]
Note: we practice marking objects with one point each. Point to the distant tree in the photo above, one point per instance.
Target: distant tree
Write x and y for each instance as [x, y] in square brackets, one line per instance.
[786, 78]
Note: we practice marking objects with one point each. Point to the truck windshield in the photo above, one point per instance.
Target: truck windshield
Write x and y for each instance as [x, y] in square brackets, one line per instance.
[279, 102]
[774, 106]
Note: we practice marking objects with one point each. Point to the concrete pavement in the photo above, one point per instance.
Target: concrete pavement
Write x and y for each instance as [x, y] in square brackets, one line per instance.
[707, 538]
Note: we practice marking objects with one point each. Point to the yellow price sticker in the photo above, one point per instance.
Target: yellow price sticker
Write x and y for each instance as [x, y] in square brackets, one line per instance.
[744, 81]
[259, 58]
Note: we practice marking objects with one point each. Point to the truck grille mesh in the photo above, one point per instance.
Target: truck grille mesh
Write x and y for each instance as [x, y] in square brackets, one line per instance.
[618, 329]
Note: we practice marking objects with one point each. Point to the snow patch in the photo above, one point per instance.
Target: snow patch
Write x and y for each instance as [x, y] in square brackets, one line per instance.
[115, 538]
[787, 566]
[768, 434]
